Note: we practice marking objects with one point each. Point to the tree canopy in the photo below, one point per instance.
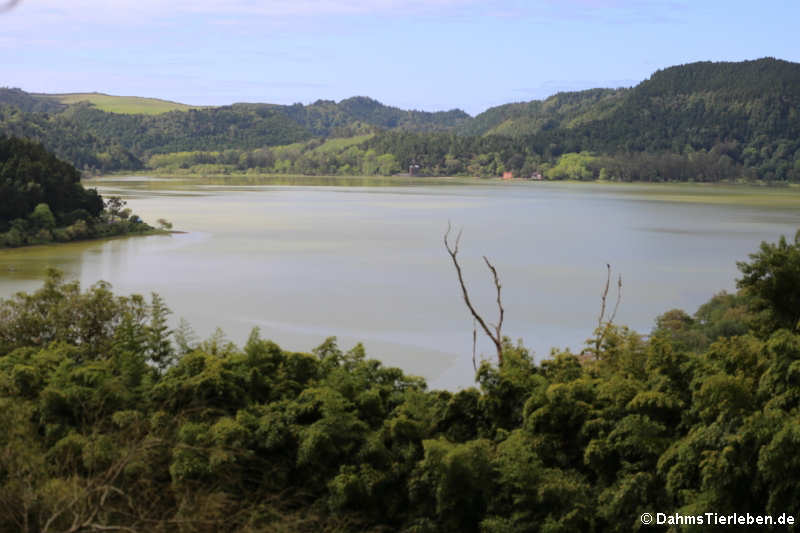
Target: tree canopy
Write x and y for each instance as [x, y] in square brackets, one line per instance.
[113, 420]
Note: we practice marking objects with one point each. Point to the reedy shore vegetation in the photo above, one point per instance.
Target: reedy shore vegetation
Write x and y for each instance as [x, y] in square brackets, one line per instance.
[113, 421]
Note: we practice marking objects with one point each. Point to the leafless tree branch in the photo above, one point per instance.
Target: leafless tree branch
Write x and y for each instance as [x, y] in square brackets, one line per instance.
[603, 327]
[495, 336]
[619, 297]
[497, 286]
[604, 296]
[474, 343]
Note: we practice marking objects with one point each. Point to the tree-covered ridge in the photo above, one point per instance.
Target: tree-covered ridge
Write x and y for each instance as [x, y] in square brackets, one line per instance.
[361, 114]
[42, 200]
[95, 139]
[28, 102]
[562, 110]
[728, 88]
[113, 421]
[701, 122]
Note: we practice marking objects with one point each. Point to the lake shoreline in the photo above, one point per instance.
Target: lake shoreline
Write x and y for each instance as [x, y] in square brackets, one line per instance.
[757, 194]
[435, 179]
[148, 233]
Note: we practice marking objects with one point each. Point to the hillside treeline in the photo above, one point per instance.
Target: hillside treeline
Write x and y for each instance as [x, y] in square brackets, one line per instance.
[95, 140]
[112, 421]
[696, 122]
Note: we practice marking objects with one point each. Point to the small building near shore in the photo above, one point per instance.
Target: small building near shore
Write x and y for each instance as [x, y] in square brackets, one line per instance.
[508, 175]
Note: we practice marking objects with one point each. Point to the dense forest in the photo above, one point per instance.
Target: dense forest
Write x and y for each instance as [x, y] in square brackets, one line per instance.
[42, 200]
[112, 421]
[697, 122]
[96, 140]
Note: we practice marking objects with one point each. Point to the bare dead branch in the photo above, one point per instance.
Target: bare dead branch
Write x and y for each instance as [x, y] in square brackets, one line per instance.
[497, 286]
[496, 337]
[619, 297]
[474, 343]
[603, 327]
[603, 297]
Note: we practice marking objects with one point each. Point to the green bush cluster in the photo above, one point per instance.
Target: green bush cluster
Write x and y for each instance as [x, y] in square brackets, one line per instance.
[111, 420]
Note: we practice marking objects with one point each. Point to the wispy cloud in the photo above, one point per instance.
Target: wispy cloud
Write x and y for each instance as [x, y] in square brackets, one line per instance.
[248, 7]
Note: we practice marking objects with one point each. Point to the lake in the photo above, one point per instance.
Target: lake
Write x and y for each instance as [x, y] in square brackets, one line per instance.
[363, 259]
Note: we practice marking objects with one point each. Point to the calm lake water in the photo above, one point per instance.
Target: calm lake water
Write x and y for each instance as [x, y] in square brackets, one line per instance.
[364, 260]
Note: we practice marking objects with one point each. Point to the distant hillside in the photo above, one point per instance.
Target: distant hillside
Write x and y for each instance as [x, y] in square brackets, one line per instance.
[754, 104]
[702, 121]
[128, 105]
[562, 110]
[23, 101]
[95, 131]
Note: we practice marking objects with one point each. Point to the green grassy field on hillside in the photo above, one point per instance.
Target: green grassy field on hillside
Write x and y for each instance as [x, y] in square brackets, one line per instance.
[129, 105]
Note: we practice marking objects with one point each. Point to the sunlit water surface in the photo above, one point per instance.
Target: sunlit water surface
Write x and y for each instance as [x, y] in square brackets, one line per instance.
[364, 260]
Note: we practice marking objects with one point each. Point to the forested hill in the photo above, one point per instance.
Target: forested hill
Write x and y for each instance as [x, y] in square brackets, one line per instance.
[716, 97]
[359, 114]
[562, 110]
[702, 121]
[28, 102]
[753, 103]
[93, 138]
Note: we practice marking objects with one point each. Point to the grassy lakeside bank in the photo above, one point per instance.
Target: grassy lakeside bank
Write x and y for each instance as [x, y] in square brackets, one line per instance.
[162, 179]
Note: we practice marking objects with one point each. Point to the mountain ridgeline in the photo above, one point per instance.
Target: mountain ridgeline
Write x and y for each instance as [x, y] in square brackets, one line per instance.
[697, 122]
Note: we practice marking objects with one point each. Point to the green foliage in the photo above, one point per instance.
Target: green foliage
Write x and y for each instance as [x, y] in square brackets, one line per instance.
[571, 167]
[773, 280]
[106, 421]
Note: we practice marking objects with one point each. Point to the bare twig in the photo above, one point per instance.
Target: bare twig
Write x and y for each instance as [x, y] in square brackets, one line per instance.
[496, 337]
[497, 286]
[602, 328]
[619, 297]
[604, 296]
[474, 343]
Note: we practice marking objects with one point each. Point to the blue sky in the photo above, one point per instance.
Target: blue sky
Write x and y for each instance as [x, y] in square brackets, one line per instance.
[414, 54]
